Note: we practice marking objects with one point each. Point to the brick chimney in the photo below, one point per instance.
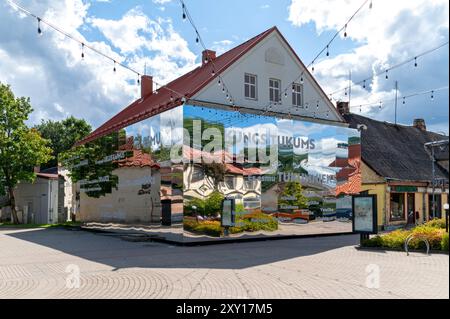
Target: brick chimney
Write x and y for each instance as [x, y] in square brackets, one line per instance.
[206, 55]
[343, 108]
[146, 86]
[420, 124]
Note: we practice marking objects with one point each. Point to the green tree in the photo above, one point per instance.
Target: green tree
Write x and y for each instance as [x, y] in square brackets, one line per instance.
[293, 196]
[63, 135]
[21, 148]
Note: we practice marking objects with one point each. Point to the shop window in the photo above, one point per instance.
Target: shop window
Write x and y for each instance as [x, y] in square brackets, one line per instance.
[250, 86]
[397, 207]
[230, 182]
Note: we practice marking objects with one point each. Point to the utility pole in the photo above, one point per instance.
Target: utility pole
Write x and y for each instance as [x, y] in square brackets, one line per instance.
[396, 100]
[350, 88]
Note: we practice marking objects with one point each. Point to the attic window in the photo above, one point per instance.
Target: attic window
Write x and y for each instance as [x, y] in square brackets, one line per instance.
[297, 95]
[250, 83]
[275, 90]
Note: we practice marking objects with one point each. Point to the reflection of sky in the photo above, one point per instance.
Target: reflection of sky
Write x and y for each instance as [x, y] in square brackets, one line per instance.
[326, 138]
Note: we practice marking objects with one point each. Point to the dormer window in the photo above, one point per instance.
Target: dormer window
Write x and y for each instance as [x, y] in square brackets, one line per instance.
[297, 95]
[250, 84]
[274, 90]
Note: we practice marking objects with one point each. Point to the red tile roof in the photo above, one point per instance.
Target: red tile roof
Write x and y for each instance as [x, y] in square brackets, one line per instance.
[188, 84]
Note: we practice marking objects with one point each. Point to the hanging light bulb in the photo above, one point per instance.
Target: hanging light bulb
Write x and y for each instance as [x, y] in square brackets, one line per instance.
[381, 105]
[415, 62]
[364, 85]
[346, 92]
[371, 4]
[219, 82]
[328, 50]
[139, 79]
[328, 114]
[404, 100]
[285, 94]
[307, 106]
[317, 104]
[345, 32]
[39, 26]
[114, 67]
[302, 80]
[197, 40]
[82, 50]
[360, 109]
[184, 12]
[387, 74]
[432, 95]
[213, 73]
[313, 68]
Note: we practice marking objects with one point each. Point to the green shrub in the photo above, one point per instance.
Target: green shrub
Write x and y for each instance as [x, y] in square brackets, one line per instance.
[396, 239]
[444, 243]
[436, 223]
[209, 228]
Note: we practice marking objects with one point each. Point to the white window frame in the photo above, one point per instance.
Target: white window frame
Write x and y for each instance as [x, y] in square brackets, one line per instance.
[250, 85]
[274, 90]
[297, 95]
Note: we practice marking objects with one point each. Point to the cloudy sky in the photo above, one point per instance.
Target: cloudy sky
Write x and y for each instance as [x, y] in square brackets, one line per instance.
[151, 34]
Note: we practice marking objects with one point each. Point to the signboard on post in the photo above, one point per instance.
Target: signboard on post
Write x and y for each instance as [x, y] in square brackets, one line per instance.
[365, 217]
[228, 216]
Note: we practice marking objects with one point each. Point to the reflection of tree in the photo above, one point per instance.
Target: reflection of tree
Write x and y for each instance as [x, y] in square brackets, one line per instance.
[214, 171]
[293, 196]
[82, 162]
[189, 126]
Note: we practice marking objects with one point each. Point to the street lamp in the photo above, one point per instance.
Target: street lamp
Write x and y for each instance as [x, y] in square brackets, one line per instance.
[446, 208]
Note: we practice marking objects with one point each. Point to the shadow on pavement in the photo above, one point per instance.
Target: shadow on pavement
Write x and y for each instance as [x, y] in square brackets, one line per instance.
[117, 253]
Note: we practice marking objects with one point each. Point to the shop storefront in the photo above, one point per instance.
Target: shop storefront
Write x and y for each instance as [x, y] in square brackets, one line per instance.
[194, 173]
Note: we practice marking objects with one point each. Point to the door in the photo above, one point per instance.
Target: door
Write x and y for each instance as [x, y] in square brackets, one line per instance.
[435, 211]
[166, 212]
[411, 208]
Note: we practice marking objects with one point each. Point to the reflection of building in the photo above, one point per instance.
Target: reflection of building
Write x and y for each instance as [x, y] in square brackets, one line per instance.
[178, 121]
[397, 168]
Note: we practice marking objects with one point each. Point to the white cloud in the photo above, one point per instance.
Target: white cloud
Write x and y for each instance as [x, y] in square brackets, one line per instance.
[49, 68]
[222, 46]
[391, 32]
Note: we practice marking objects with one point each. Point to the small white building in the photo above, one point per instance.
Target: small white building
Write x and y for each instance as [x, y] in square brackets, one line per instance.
[47, 200]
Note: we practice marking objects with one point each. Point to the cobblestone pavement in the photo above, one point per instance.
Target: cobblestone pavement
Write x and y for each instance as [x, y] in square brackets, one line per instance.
[44, 264]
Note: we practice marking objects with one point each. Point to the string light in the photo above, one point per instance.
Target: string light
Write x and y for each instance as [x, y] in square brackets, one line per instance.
[39, 26]
[82, 50]
[115, 70]
[387, 74]
[381, 105]
[404, 100]
[432, 95]
[345, 32]
[328, 50]
[184, 12]
[41, 21]
[406, 62]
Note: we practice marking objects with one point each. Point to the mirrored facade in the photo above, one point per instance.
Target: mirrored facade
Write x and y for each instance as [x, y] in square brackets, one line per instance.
[201, 174]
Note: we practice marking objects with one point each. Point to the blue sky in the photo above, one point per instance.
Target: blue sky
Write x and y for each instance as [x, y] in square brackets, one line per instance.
[49, 69]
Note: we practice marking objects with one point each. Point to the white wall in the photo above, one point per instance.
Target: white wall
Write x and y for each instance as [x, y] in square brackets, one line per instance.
[254, 62]
[35, 196]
